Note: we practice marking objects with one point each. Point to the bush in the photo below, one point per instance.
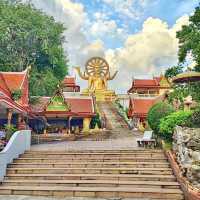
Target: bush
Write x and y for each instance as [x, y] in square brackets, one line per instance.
[168, 123]
[194, 120]
[95, 121]
[10, 130]
[156, 113]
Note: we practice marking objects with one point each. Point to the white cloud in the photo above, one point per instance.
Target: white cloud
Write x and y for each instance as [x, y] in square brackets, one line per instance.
[74, 18]
[147, 52]
[103, 28]
[129, 8]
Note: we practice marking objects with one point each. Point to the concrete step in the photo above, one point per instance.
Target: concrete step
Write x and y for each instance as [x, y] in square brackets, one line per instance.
[92, 183]
[138, 150]
[118, 170]
[100, 156]
[118, 177]
[103, 192]
[113, 159]
[62, 164]
[106, 174]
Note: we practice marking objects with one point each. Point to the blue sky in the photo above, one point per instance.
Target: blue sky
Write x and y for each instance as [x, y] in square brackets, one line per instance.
[136, 37]
[166, 10]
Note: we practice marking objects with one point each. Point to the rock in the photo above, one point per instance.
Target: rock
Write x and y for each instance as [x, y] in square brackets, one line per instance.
[186, 145]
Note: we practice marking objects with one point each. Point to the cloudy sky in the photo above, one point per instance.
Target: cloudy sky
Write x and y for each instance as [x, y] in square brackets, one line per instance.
[137, 37]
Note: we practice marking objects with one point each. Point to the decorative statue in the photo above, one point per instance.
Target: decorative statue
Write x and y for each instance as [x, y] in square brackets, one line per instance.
[97, 73]
[188, 102]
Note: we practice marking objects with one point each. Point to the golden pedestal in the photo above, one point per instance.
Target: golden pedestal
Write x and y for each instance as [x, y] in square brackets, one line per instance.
[101, 95]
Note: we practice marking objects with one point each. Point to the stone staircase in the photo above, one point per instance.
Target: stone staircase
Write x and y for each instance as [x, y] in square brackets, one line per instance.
[141, 174]
[114, 120]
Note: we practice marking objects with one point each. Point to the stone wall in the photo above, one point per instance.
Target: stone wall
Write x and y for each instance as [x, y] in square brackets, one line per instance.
[186, 146]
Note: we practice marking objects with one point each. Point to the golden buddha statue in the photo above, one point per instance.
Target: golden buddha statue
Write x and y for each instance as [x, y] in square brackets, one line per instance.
[97, 74]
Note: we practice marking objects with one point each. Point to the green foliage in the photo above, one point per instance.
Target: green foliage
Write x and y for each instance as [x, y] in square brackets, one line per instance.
[95, 121]
[173, 71]
[16, 95]
[156, 113]
[168, 123]
[30, 37]
[180, 91]
[34, 100]
[10, 129]
[194, 120]
[189, 39]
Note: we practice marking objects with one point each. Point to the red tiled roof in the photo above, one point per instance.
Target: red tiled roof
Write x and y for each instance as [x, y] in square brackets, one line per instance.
[3, 86]
[140, 107]
[10, 81]
[11, 104]
[69, 81]
[14, 80]
[79, 105]
[158, 79]
[145, 82]
[40, 105]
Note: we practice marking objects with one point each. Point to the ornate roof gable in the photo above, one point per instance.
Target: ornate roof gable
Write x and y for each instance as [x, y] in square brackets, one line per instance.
[58, 103]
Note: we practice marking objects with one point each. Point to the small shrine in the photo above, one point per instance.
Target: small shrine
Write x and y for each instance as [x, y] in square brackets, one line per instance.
[97, 73]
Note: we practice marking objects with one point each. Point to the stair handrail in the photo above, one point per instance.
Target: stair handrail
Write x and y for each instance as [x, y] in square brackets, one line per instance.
[18, 144]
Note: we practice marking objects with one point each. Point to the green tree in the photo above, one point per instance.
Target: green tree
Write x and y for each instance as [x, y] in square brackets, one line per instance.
[189, 39]
[173, 71]
[156, 113]
[30, 37]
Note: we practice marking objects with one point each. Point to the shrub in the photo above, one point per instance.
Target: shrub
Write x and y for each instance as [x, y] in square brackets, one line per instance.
[168, 123]
[156, 113]
[194, 120]
[95, 121]
[10, 129]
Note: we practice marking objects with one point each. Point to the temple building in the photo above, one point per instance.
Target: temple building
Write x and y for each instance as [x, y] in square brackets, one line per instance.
[155, 86]
[138, 110]
[64, 112]
[69, 84]
[14, 99]
[143, 94]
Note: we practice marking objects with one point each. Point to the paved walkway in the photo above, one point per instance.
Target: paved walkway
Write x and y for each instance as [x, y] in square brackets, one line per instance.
[109, 144]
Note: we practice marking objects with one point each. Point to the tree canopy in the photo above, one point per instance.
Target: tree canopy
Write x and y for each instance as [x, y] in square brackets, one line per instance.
[189, 39]
[30, 37]
[173, 71]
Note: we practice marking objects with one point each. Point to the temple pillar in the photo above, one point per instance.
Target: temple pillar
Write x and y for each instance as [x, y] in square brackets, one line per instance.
[9, 116]
[69, 125]
[86, 124]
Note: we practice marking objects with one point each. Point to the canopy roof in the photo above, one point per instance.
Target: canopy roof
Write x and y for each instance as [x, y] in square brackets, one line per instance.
[189, 76]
